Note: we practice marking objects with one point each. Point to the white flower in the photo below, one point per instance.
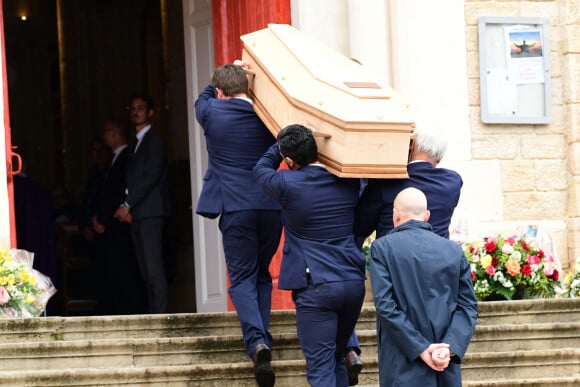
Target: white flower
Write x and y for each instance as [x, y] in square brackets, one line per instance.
[507, 249]
[482, 286]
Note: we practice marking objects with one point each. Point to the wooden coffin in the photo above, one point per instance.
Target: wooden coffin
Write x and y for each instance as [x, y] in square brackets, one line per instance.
[363, 128]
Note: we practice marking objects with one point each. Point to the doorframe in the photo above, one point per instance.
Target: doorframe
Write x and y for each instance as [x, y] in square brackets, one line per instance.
[8, 225]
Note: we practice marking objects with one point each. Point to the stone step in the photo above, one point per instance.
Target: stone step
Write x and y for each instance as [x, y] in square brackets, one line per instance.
[516, 337]
[529, 311]
[146, 352]
[226, 323]
[560, 381]
[289, 373]
[515, 365]
[508, 368]
[185, 350]
[519, 368]
[514, 341]
[206, 375]
[134, 326]
[142, 326]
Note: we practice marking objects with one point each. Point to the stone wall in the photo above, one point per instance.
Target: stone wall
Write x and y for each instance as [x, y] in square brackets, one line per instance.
[539, 165]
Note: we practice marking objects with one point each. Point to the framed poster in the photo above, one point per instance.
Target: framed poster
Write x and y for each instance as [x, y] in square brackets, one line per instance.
[515, 76]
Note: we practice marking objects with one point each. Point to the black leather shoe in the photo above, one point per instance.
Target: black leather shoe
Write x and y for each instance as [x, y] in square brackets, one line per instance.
[263, 371]
[353, 367]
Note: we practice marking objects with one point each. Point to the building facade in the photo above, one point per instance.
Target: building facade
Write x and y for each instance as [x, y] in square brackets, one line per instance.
[514, 175]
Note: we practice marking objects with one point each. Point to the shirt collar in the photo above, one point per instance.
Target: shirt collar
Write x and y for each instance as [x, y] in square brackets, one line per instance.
[246, 99]
[119, 149]
[142, 132]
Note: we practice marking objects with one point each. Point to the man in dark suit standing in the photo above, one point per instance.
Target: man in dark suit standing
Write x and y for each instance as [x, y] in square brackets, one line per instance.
[321, 263]
[146, 204]
[424, 298]
[250, 221]
[441, 186]
[118, 264]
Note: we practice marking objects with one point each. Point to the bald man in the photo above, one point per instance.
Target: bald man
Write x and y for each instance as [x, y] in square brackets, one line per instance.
[425, 303]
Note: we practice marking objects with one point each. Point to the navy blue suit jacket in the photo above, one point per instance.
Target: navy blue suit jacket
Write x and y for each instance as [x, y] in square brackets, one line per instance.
[318, 216]
[441, 186]
[423, 294]
[235, 138]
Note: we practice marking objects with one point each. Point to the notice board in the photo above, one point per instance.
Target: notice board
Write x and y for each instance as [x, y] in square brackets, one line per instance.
[515, 76]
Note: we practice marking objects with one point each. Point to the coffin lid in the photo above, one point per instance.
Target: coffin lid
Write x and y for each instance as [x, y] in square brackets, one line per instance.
[297, 79]
[324, 79]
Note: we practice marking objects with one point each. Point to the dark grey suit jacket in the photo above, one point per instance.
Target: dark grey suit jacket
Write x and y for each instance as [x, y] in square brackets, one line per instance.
[147, 181]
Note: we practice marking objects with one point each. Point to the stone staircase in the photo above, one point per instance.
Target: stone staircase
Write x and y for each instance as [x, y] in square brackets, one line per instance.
[523, 343]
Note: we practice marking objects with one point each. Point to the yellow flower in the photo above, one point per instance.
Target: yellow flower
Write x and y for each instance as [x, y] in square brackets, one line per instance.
[369, 240]
[30, 300]
[485, 261]
[5, 255]
[10, 279]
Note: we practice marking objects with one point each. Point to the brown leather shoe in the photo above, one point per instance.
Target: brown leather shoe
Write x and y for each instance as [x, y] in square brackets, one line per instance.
[353, 367]
[263, 371]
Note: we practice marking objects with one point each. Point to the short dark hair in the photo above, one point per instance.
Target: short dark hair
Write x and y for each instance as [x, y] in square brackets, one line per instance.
[98, 140]
[231, 79]
[147, 98]
[297, 142]
[119, 125]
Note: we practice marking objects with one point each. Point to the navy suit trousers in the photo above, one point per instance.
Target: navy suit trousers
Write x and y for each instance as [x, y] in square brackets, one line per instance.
[250, 239]
[325, 318]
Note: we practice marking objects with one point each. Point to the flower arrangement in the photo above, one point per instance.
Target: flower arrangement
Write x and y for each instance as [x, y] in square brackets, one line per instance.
[366, 247]
[503, 267]
[571, 283]
[24, 291]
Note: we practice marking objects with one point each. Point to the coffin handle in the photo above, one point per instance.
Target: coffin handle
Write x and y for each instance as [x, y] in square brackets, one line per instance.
[316, 132]
[249, 72]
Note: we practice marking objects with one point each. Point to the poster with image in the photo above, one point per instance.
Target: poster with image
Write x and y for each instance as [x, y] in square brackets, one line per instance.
[524, 53]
